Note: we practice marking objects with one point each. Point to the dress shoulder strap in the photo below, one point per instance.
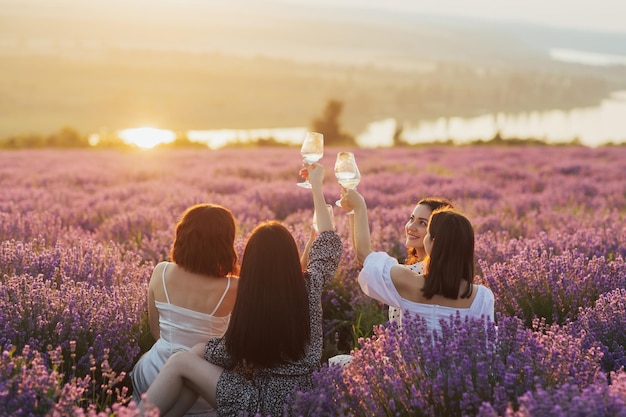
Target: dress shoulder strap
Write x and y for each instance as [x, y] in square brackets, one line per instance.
[167, 297]
[219, 303]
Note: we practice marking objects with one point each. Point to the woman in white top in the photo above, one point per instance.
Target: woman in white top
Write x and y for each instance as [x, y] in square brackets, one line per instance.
[415, 230]
[190, 299]
[446, 285]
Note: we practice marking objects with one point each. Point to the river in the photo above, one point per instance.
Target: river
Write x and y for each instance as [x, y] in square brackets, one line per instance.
[591, 126]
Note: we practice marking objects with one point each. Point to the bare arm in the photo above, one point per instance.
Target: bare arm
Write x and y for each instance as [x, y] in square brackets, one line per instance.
[316, 178]
[352, 200]
[153, 313]
[304, 258]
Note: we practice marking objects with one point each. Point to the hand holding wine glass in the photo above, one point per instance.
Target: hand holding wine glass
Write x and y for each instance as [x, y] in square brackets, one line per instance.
[347, 172]
[312, 151]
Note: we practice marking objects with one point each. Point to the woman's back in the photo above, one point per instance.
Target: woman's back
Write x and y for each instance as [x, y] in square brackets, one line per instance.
[410, 286]
[404, 291]
[190, 309]
[480, 304]
[174, 285]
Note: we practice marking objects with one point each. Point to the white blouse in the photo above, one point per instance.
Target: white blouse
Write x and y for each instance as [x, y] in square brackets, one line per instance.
[375, 281]
[395, 313]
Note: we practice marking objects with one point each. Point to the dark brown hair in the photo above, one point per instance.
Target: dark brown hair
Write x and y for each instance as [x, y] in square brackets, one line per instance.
[205, 241]
[270, 322]
[434, 203]
[452, 256]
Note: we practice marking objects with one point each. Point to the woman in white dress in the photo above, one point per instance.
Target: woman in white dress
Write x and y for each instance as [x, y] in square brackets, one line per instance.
[415, 230]
[446, 284]
[274, 341]
[191, 298]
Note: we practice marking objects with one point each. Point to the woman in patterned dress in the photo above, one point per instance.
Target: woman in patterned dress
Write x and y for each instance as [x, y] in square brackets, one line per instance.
[274, 340]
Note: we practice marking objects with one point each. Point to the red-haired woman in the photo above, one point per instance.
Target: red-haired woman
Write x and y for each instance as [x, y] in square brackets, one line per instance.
[191, 298]
[274, 340]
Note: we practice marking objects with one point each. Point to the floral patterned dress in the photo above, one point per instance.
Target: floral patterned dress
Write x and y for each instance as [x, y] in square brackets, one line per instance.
[266, 391]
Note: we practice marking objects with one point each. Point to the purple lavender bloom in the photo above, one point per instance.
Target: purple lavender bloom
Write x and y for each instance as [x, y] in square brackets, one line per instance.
[78, 241]
[453, 373]
[603, 325]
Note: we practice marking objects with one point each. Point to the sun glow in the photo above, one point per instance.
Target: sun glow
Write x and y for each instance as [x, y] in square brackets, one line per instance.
[147, 137]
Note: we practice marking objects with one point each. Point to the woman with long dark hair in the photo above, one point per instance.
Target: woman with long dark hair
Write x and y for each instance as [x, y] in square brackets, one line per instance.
[445, 286]
[274, 339]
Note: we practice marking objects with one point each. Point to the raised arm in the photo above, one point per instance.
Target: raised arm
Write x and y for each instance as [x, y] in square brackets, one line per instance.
[352, 200]
[304, 258]
[316, 178]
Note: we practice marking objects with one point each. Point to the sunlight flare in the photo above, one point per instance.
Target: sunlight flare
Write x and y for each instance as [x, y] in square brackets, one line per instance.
[147, 137]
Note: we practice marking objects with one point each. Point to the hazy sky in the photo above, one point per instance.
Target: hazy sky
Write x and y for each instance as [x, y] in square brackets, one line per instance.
[597, 15]
[601, 15]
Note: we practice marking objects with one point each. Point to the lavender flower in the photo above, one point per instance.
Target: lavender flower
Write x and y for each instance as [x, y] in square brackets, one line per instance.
[78, 241]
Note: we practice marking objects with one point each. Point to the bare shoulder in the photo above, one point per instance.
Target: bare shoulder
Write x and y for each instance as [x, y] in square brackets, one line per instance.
[157, 272]
[405, 280]
[234, 282]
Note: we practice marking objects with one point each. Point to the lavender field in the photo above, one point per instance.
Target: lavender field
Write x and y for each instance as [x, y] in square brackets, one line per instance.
[80, 232]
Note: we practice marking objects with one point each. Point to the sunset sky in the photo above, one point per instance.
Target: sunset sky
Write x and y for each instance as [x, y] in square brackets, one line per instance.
[109, 68]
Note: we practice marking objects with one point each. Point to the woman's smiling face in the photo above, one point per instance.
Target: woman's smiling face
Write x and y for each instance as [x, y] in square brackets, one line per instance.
[415, 228]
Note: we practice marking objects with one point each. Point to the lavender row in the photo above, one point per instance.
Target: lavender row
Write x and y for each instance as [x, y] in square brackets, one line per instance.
[473, 368]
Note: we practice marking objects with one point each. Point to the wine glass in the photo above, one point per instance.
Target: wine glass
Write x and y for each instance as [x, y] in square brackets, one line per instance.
[312, 151]
[347, 172]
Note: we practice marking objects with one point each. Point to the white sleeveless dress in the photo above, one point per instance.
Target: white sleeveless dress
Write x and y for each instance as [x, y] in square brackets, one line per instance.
[180, 329]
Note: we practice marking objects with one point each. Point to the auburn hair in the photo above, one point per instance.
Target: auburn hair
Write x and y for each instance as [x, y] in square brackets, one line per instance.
[204, 242]
[270, 322]
[451, 258]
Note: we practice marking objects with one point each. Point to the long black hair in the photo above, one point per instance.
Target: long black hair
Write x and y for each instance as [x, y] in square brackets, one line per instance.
[270, 322]
[451, 259]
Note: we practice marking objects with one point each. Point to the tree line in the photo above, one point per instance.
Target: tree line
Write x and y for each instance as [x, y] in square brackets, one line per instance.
[68, 137]
[328, 123]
